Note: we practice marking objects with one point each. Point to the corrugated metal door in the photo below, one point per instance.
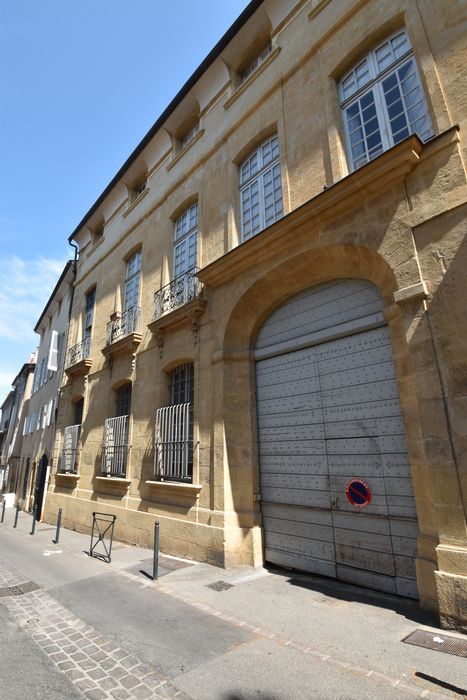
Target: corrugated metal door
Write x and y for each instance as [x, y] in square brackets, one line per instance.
[328, 411]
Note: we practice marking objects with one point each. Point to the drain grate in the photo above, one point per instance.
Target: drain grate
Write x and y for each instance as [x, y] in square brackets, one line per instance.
[220, 586]
[438, 642]
[19, 589]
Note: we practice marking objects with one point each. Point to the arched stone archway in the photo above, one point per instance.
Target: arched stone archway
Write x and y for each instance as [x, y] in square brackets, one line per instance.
[240, 457]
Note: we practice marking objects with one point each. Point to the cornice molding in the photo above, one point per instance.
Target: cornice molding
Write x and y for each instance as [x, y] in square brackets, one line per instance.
[376, 176]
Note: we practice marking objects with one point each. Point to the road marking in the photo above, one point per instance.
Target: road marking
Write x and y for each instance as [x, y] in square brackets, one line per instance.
[48, 552]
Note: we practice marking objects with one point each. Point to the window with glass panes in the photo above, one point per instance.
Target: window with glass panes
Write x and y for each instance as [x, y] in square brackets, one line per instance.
[78, 412]
[185, 241]
[89, 312]
[182, 384]
[260, 189]
[382, 101]
[132, 277]
[257, 61]
[123, 403]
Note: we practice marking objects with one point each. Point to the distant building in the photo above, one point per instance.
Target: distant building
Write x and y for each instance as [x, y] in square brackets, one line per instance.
[267, 340]
[39, 424]
[14, 410]
[5, 420]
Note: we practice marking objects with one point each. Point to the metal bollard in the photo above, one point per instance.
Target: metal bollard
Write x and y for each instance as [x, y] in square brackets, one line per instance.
[34, 516]
[59, 522]
[155, 561]
[16, 516]
[3, 511]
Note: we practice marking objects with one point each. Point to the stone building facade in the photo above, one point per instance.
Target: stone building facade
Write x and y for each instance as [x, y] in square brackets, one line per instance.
[267, 340]
[39, 422]
[14, 412]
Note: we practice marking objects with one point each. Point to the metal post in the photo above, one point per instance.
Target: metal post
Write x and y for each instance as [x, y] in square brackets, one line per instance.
[3, 511]
[16, 516]
[155, 561]
[59, 522]
[34, 516]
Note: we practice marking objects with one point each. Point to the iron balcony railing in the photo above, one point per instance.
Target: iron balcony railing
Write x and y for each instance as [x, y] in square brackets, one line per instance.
[126, 324]
[173, 443]
[78, 352]
[69, 460]
[115, 446]
[180, 291]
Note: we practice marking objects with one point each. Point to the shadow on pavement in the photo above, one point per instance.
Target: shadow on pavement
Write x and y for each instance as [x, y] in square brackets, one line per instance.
[350, 593]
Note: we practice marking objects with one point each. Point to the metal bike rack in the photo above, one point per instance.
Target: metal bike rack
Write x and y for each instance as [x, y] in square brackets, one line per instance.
[102, 524]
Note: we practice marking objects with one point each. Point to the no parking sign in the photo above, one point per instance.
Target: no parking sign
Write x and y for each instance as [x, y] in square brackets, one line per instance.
[358, 492]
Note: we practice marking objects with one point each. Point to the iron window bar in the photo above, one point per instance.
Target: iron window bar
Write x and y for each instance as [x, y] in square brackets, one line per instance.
[115, 446]
[69, 460]
[173, 443]
[181, 290]
[126, 324]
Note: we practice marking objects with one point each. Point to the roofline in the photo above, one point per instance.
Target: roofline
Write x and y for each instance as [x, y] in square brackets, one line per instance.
[51, 298]
[27, 367]
[8, 396]
[210, 58]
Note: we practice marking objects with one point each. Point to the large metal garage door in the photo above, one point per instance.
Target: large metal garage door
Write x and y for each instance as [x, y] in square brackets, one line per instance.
[331, 439]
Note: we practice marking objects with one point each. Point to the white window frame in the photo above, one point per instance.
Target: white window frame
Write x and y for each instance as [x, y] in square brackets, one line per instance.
[367, 77]
[256, 62]
[186, 238]
[132, 278]
[265, 169]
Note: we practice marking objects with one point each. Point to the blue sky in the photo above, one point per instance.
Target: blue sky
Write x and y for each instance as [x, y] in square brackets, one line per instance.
[80, 85]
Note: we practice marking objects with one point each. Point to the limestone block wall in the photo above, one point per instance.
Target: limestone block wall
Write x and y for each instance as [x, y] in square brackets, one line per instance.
[398, 221]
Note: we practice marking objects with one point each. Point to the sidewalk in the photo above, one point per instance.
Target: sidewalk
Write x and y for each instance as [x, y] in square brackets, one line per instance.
[202, 632]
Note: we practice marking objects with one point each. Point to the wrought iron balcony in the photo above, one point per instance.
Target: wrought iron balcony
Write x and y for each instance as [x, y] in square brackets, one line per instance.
[78, 353]
[123, 326]
[179, 292]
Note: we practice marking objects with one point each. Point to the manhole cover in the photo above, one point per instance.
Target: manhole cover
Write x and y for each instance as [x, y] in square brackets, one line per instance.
[20, 589]
[219, 585]
[438, 642]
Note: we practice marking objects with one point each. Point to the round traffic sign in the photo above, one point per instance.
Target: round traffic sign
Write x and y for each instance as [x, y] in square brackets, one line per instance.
[358, 492]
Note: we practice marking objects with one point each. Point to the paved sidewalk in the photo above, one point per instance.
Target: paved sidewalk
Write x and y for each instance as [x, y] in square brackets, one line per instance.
[201, 632]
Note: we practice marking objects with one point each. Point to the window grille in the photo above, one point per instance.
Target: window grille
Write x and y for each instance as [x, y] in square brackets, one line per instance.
[115, 446]
[382, 101]
[173, 437]
[260, 189]
[69, 462]
[173, 451]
